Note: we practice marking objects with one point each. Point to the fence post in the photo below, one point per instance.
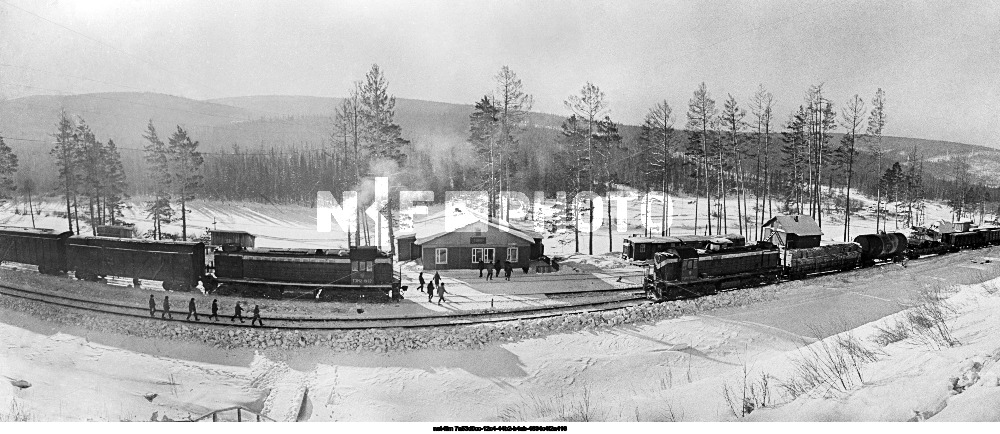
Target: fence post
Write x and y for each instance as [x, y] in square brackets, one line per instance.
[239, 415]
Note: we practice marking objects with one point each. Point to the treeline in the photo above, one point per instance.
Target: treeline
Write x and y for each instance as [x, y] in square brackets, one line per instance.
[90, 174]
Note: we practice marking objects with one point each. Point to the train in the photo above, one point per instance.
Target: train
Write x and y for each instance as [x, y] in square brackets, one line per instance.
[326, 274]
[683, 271]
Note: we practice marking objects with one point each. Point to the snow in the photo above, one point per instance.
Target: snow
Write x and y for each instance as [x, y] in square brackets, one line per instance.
[670, 370]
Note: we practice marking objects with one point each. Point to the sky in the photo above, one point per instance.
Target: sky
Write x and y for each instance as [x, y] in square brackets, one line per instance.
[938, 61]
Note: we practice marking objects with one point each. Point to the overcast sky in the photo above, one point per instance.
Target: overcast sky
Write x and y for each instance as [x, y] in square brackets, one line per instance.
[939, 62]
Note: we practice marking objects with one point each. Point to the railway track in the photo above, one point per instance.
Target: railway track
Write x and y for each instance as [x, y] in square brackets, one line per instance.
[631, 297]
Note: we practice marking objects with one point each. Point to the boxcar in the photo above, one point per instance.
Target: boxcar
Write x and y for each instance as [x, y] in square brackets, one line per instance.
[179, 265]
[42, 247]
[643, 248]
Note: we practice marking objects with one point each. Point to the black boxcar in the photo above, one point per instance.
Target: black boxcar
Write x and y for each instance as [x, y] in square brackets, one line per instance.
[643, 248]
[179, 265]
[42, 247]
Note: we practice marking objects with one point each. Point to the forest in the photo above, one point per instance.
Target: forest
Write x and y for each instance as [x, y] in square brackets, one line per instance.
[745, 162]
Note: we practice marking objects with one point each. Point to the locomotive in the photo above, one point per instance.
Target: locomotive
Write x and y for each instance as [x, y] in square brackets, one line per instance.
[273, 273]
[679, 271]
[358, 272]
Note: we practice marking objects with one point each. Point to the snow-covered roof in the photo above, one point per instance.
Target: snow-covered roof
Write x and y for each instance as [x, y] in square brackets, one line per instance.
[798, 224]
[434, 226]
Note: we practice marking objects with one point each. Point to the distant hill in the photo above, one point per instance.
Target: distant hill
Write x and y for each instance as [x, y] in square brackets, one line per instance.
[255, 122]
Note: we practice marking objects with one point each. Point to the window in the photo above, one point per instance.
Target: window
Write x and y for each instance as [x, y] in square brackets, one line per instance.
[642, 248]
[512, 254]
[440, 256]
[483, 254]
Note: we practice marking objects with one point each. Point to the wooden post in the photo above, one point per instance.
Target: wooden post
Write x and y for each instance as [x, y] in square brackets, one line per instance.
[239, 415]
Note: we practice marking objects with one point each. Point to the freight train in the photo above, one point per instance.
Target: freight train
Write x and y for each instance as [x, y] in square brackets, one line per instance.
[274, 273]
[682, 271]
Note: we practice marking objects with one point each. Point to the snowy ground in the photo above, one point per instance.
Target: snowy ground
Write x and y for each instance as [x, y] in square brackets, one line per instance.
[671, 370]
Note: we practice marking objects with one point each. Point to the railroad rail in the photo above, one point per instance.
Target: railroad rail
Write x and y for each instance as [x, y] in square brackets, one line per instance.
[632, 297]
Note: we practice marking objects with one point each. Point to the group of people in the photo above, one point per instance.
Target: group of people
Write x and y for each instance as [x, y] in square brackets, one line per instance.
[193, 311]
[434, 283]
[507, 269]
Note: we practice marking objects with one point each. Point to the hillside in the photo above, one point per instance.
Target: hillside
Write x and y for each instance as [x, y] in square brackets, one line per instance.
[255, 122]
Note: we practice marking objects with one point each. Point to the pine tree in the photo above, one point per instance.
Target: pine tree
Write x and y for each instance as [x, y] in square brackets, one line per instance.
[8, 167]
[185, 167]
[483, 135]
[588, 107]
[157, 157]
[512, 105]
[116, 184]
[65, 156]
[381, 135]
[574, 158]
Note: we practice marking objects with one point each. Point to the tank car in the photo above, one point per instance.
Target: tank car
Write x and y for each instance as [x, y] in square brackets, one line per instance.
[881, 246]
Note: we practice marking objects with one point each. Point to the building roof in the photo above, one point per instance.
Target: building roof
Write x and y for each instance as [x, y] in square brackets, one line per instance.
[433, 226]
[226, 231]
[797, 224]
[653, 240]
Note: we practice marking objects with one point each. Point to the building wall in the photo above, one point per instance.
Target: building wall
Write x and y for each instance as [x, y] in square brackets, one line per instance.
[460, 249]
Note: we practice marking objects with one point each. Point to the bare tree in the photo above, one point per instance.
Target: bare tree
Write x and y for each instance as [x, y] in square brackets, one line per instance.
[876, 126]
[512, 105]
[656, 139]
[852, 117]
[700, 116]
[761, 108]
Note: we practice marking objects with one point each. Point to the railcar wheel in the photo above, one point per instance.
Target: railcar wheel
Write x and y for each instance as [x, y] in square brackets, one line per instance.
[87, 275]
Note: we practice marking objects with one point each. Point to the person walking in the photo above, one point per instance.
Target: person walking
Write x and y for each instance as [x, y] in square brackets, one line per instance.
[421, 280]
[238, 314]
[489, 273]
[152, 306]
[256, 316]
[507, 270]
[481, 265]
[215, 310]
[441, 292]
[497, 268]
[437, 279]
[166, 307]
[430, 291]
[192, 310]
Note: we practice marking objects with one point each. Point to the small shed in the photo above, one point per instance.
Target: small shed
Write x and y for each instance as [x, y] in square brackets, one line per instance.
[795, 231]
[116, 231]
[406, 247]
[243, 239]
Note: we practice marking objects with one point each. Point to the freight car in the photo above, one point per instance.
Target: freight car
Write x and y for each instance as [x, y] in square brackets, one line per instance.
[359, 272]
[638, 248]
[798, 263]
[44, 248]
[881, 246]
[178, 264]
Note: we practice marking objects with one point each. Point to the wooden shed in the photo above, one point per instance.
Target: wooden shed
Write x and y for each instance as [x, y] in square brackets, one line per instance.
[243, 239]
[116, 231]
[796, 231]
